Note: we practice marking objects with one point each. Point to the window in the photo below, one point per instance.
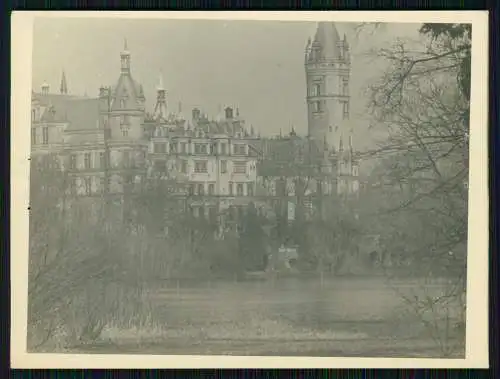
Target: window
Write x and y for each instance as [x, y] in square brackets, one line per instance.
[122, 103]
[239, 167]
[88, 186]
[201, 189]
[330, 128]
[239, 189]
[45, 135]
[195, 211]
[230, 189]
[239, 149]
[249, 189]
[211, 189]
[223, 167]
[173, 147]
[73, 185]
[183, 147]
[184, 167]
[345, 86]
[191, 189]
[102, 184]
[160, 165]
[316, 106]
[72, 161]
[231, 212]
[125, 132]
[33, 136]
[200, 167]
[316, 89]
[107, 133]
[33, 115]
[126, 159]
[159, 148]
[223, 149]
[212, 214]
[88, 160]
[345, 110]
[102, 160]
[200, 148]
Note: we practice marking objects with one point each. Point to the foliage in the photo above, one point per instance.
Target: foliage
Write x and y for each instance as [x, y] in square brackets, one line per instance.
[252, 241]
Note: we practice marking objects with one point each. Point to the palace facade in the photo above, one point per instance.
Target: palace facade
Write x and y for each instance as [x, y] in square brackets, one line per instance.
[111, 145]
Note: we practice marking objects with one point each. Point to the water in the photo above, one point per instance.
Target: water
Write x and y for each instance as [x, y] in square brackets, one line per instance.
[292, 316]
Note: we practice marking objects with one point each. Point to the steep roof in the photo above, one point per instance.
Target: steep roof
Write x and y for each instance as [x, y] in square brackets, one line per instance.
[56, 105]
[83, 114]
[288, 155]
[328, 38]
[128, 89]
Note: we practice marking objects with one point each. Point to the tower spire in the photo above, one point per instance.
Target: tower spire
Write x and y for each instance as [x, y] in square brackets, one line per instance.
[160, 111]
[327, 47]
[160, 82]
[125, 58]
[64, 85]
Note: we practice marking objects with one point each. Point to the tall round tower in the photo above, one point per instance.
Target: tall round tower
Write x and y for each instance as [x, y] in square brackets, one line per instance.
[327, 66]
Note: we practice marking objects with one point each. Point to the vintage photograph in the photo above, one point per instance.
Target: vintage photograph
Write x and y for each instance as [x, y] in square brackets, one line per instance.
[249, 188]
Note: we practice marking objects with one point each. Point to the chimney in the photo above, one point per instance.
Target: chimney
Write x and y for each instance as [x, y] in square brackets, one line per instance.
[229, 113]
[196, 114]
[45, 88]
[103, 91]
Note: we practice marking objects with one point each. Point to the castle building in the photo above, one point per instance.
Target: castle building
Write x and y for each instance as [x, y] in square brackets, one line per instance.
[99, 141]
[111, 144]
[328, 68]
[213, 160]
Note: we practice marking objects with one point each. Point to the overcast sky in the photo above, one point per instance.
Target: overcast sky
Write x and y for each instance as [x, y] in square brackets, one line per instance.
[257, 66]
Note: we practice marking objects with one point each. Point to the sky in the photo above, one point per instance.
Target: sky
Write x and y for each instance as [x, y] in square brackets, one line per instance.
[256, 66]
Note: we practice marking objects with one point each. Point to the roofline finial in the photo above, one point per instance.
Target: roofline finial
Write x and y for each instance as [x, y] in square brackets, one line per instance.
[160, 83]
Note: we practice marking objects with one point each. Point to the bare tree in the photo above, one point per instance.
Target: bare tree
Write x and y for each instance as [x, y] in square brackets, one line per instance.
[68, 267]
[423, 102]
